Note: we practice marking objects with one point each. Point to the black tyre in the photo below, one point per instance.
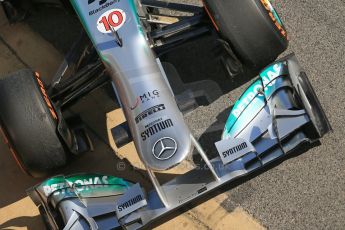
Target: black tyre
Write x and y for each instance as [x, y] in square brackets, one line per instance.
[28, 123]
[252, 27]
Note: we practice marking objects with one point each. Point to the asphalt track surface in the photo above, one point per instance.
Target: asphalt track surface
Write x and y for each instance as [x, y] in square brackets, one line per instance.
[308, 190]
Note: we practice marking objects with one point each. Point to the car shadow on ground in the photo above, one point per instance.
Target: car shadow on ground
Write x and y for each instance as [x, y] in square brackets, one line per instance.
[30, 223]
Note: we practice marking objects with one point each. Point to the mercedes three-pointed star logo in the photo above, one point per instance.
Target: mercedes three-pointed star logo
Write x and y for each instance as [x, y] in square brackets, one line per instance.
[164, 149]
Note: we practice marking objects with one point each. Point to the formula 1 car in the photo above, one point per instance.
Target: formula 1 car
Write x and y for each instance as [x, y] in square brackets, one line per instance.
[277, 114]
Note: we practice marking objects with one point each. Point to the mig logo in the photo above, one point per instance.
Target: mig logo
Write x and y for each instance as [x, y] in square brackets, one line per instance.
[145, 98]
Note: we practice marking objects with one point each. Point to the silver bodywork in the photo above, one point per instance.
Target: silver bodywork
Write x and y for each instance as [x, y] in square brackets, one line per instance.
[139, 82]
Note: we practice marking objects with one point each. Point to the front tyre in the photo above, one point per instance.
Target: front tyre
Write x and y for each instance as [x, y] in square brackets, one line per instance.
[28, 124]
[252, 27]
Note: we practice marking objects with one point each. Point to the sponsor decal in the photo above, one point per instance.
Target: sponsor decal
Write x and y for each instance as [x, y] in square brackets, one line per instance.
[233, 149]
[149, 112]
[131, 201]
[149, 96]
[87, 185]
[255, 96]
[165, 148]
[268, 76]
[45, 96]
[204, 189]
[145, 98]
[271, 73]
[111, 21]
[245, 101]
[156, 128]
[80, 185]
[102, 4]
[274, 16]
